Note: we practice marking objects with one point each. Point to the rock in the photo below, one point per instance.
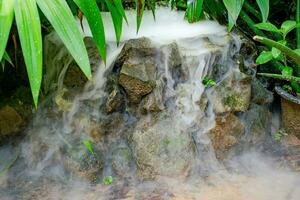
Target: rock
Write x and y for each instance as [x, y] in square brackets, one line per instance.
[11, 122]
[85, 165]
[226, 134]
[232, 94]
[290, 117]
[122, 161]
[259, 94]
[257, 121]
[142, 72]
[135, 88]
[115, 101]
[160, 149]
[138, 69]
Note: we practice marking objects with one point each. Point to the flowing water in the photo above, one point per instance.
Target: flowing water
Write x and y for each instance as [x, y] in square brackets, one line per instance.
[172, 156]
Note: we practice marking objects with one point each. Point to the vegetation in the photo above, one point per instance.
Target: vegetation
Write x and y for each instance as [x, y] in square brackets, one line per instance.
[89, 146]
[208, 82]
[33, 17]
[108, 180]
[285, 59]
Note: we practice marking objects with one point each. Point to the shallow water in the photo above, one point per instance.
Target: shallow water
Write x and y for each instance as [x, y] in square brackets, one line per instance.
[49, 164]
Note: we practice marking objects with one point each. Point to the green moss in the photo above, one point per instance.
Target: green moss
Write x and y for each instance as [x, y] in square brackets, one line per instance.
[233, 101]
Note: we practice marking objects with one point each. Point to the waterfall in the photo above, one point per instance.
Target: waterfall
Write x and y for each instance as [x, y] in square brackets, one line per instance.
[155, 142]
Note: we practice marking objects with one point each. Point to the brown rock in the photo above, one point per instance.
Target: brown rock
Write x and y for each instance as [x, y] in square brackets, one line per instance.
[135, 88]
[10, 122]
[226, 134]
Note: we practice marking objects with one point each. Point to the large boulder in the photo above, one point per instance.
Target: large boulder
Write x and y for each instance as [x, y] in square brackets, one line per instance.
[259, 94]
[226, 134]
[161, 149]
[11, 122]
[232, 93]
[138, 69]
[257, 121]
[122, 161]
[142, 71]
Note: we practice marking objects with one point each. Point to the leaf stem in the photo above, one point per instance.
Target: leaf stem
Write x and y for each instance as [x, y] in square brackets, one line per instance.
[280, 77]
[286, 50]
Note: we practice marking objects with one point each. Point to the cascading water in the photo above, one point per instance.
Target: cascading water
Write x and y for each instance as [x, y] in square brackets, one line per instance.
[156, 145]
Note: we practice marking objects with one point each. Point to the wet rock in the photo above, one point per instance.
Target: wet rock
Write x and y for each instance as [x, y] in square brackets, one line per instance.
[11, 122]
[122, 161]
[232, 94]
[160, 149]
[138, 69]
[142, 72]
[135, 88]
[226, 134]
[85, 165]
[257, 121]
[115, 101]
[259, 94]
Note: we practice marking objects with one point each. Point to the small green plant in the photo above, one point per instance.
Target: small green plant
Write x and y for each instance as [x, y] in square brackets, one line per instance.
[108, 180]
[208, 82]
[279, 135]
[287, 60]
[89, 146]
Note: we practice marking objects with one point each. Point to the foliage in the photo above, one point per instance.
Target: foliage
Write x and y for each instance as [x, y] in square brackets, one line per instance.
[89, 146]
[29, 29]
[108, 180]
[6, 58]
[208, 82]
[281, 53]
[279, 135]
[30, 15]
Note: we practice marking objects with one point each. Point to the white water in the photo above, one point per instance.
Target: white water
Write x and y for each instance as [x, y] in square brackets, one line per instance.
[45, 150]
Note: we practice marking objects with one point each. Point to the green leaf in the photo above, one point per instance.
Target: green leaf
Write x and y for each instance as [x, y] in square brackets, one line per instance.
[264, 8]
[266, 26]
[264, 57]
[276, 52]
[140, 5]
[7, 58]
[93, 16]
[230, 22]
[287, 71]
[61, 18]
[29, 28]
[108, 180]
[152, 5]
[117, 19]
[120, 9]
[287, 27]
[194, 10]
[297, 51]
[3, 64]
[6, 19]
[295, 86]
[234, 8]
[284, 49]
[89, 146]
[208, 82]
